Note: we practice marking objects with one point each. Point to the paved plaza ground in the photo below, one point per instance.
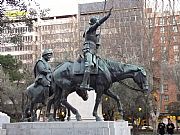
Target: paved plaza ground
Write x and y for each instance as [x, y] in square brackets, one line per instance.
[150, 133]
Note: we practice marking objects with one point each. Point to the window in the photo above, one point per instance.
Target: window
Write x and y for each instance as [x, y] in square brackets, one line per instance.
[174, 38]
[176, 48]
[162, 29]
[174, 21]
[152, 50]
[176, 58]
[161, 21]
[153, 58]
[36, 38]
[165, 87]
[11, 2]
[30, 29]
[178, 97]
[36, 29]
[164, 53]
[166, 108]
[150, 22]
[164, 49]
[175, 29]
[166, 98]
[133, 18]
[162, 39]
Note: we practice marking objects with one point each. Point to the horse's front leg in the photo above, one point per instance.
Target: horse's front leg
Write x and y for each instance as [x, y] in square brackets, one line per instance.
[73, 110]
[48, 109]
[69, 114]
[117, 99]
[32, 112]
[98, 100]
[25, 113]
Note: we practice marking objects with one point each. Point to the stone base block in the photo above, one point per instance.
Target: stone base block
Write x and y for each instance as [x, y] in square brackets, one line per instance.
[68, 128]
[2, 131]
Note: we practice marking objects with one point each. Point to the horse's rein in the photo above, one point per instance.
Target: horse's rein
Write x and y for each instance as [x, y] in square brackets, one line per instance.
[141, 90]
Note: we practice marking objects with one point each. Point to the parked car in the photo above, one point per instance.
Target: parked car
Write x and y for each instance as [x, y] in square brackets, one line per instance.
[147, 127]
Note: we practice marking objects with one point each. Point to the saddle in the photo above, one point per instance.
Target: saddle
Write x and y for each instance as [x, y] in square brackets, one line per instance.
[79, 67]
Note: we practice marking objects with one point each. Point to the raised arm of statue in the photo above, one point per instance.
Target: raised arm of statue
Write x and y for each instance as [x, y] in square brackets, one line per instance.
[101, 21]
[105, 17]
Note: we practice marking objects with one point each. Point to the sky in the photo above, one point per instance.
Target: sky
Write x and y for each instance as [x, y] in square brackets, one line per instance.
[63, 7]
[67, 7]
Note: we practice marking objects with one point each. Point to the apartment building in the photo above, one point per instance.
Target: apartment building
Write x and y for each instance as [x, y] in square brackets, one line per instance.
[58, 33]
[165, 53]
[23, 52]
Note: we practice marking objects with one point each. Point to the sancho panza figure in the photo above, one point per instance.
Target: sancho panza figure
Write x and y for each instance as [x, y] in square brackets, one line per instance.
[42, 72]
[90, 48]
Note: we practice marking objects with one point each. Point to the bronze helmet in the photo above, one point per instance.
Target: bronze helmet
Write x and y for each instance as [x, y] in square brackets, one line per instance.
[47, 51]
[93, 20]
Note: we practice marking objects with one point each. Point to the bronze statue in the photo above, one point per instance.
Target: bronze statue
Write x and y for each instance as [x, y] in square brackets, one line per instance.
[91, 45]
[67, 82]
[42, 72]
[40, 90]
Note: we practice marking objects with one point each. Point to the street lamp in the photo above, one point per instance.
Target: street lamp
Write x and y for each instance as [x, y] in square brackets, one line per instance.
[106, 98]
[139, 120]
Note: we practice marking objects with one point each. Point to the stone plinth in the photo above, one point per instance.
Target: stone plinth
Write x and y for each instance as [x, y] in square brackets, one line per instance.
[4, 118]
[68, 128]
[2, 131]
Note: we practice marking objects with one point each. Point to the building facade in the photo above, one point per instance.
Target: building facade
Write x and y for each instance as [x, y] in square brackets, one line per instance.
[58, 33]
[165, 54]
[24, 48]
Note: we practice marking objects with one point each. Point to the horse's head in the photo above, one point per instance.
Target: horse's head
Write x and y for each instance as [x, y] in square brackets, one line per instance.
[141, 80]
[83, 94]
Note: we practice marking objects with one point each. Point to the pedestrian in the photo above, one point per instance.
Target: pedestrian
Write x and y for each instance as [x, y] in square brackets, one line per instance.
[170, 127]
[161, 128]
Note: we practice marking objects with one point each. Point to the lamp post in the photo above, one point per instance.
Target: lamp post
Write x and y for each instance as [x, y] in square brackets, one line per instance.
[139, 120]
[140, 109]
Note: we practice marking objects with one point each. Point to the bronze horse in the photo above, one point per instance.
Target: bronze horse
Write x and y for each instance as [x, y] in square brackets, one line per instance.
[109, 72]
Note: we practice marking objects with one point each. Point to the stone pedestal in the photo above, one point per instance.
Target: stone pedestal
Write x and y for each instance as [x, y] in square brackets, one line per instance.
[85, 108]
[2, 131]
[4, 118]
[68, 128]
